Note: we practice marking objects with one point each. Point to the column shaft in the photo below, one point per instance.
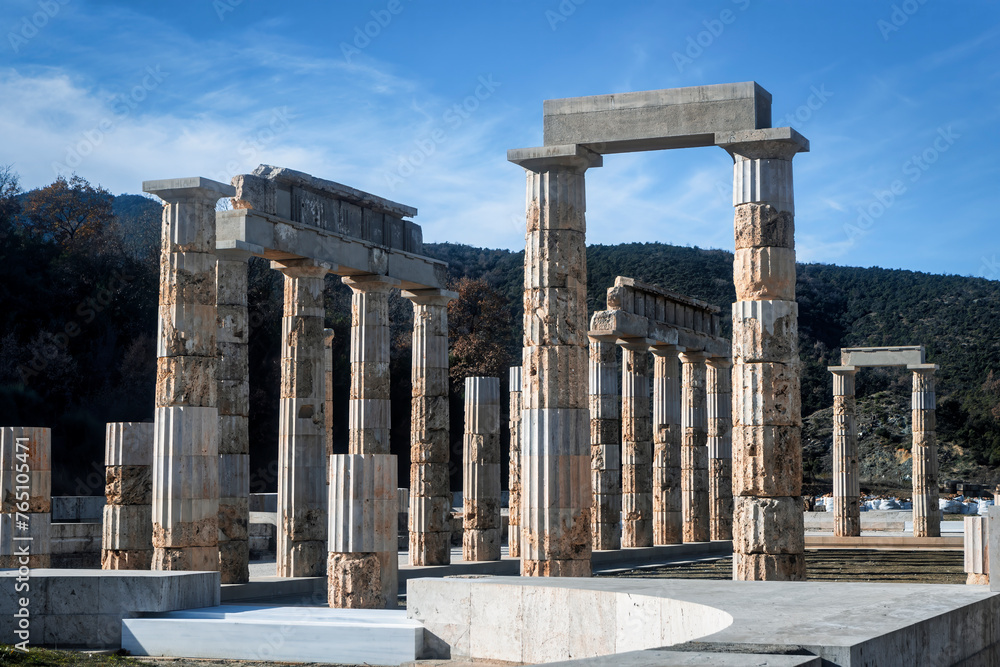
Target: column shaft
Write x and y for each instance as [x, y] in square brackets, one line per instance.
[127, 535]
[481, 470]
[668, 516]
[302, 492]
[605, 444]
[718, 379]
[694, 449]
[926, 516]
[514, 486]
[637, 447]
[25, 468]
[846, 483]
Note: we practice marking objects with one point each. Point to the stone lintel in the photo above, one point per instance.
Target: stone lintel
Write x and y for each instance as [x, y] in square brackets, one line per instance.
[618, 324]
[780, 143]
[173, 189]
[906, 355]
[370, 282]
[720, 362]
[322, 186]
[694, 356]
[918, 368]
[676, 297]
[666, 350]
[603, 336]
[636, 344]
[233, 249]
[542, 158]
[303, 266]
[842, 369]
[433, 297]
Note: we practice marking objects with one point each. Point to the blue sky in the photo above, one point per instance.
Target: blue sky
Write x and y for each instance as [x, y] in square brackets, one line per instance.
[900, 100]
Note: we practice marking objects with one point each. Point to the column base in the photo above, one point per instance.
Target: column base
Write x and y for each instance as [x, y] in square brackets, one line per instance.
[430, 548]
[186, 559]
[637, 533]
[769, 567]
[927, 526]
[126, 559]
[355, 581]
[555, 568]
[607, 537]
[481, 545]
[234, 562]
[846, 517]
[303, 559]
[977, 580]
[668, 529]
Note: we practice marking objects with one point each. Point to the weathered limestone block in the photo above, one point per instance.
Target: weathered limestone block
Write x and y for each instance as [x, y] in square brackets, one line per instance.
[767, 461]
[547, 307]
[977, 557]
[637, 447]
[363, 562]
[769, 567]
[764, 274]
[668, 516]
[127, 536]
[763, 226]
[767, 331]
[129, 485]
[605, 444]
[127, 528]
[25, 468]
[430, 496]
[514, 484]
[555, 376]
[481, 470]
[766, 394]
[846, 483]
[694, 448]
[771, 525]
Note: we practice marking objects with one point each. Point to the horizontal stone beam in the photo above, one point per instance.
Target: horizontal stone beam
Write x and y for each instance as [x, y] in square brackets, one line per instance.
[656, 119]
[911, 355]
[279, 239]
[617, 324]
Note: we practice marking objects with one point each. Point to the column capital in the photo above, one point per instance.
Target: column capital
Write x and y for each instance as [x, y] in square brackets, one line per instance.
[303, 267]
[773, 143]
[603, 336]
[236, 251]
[370, 283]
[719, 362]
[665, 350]
[694, 357]
[842, 370]
[172, 190]
[927, 369]
[430, 297]
[573, 157]
[636, 344]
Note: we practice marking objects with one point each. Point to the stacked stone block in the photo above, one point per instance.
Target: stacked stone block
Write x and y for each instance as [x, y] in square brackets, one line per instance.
[127, 538]
[720, 447]
[694, 449]
[481, 470]
[769, 535]
[186, 439]
[668, 517]
[605, 443]
[430, 495]
[846, 483]
[514, 484]
[25, 497]
[926, 517]
[977, 557]
[637, 447]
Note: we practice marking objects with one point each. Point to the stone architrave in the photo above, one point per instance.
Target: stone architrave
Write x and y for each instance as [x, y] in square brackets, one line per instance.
[481, 470]
[768, 523]
[977, 557]
[718, 381]
[362, 572]
[25, 468]
[846, 483]
[605, 443]
[926, 517]
[232, 376]
[302, 492]
[668, 517]
[694, 448]
[556, 421]
[637, 446]
[514, 485]
[127, 535]
[186, 440]
[430, 494]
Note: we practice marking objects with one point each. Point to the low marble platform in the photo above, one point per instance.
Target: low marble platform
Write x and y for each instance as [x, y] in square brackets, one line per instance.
[287, 634]
[542, 620]
[85, 608]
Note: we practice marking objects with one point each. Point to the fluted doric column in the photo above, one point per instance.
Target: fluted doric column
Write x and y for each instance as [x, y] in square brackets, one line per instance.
[718, 381]
[302, 491]
[926, 516]
[127, 534]
[846, 483]
[514, 485]
[430, 495]
[768, 525]
[605, 443]
[668, 517]
[233, 379]
[694, 449]
[186, 440]
[481, 470]
[637, 446]
[557, 493]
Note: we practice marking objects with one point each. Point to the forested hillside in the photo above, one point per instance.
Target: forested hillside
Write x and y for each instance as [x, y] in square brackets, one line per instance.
[78, 302]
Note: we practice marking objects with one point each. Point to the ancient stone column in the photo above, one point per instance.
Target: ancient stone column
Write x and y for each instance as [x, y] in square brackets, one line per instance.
[605, 443]
[514, 485]
[718, 380]
[481, 470]
[668, 517]
[186, 440]
[637, 446]
[328, 394]
[430, 495]
[127, 536]
[302, 492]
[768, 525]
[233, 378]
[363, 549]
[977, 557]
[25, 497]
[694, 449]
[846, 483]
[926, 517]
[557, 494]
[363, 565]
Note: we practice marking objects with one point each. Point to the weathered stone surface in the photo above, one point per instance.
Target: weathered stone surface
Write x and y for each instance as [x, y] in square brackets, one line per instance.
[555, 377]
[976, 547]
[514, 465]
[769, 567]
[846, 483]
[694, 448]
[720, 492]
[764, 274]
[766, 394]
[127, 559]
[667, 437]
[765, 331]
[762, 226]
[768, 525]
[355, 581]
[204, 559]
[546, 308]
[188, 381]
[605, 440]
[481, 470]
[767, 461]
[637, 447]
[128, 485]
